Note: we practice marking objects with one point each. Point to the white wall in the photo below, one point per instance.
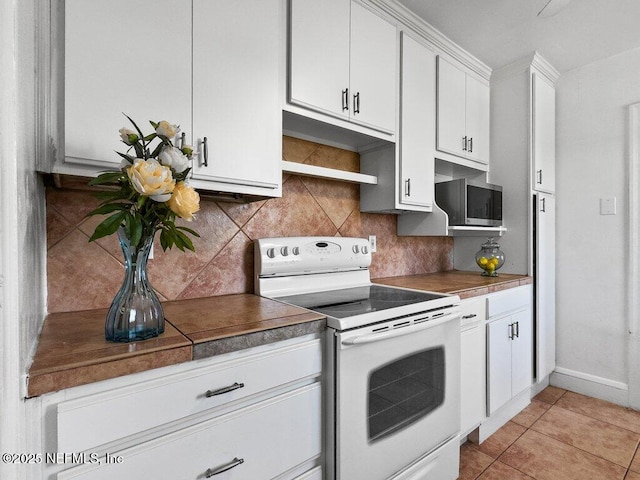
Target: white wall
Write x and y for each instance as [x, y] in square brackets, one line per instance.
[591, 266]
[22, 225]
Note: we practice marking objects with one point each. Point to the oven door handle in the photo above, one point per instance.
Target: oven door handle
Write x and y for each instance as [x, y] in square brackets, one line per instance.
[398, 332]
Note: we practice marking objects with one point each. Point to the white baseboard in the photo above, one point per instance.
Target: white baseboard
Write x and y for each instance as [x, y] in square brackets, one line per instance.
[591, 385]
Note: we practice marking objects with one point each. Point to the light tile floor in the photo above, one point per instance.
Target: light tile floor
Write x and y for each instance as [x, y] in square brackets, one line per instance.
[561, 435]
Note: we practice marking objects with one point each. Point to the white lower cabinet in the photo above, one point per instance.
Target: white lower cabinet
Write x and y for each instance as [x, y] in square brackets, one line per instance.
[472, 364]
[257, 442]
[254, 414]
[509, 346]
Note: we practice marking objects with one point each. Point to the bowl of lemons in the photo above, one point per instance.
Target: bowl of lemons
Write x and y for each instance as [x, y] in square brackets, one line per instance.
[490, 258]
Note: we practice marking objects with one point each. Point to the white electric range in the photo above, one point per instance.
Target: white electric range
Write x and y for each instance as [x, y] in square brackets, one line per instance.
[393, 359]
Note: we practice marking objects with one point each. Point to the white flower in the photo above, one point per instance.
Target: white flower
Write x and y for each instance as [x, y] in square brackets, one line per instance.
[128, 136]
[166, 129]
[150, 178]
[174, 158]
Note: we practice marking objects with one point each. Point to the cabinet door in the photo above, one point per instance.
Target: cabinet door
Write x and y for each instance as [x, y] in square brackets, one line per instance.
[319, 55]
[544, 135]
[499, 363]
[451, 108]
[417, 124]
[237, 48]
[477, 120]
[521, 352]
[472, 375]
[113, 65]
[545, 285]
[373, 70]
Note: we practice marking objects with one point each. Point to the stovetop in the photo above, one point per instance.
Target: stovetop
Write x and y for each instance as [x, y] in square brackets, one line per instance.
[349, 302]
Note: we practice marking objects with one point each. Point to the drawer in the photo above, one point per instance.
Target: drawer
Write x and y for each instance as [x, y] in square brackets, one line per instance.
[263, 441]
[473, 311]
[509, 300]
[118, 413]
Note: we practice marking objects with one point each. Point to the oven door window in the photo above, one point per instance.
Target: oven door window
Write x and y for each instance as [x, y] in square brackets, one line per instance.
[404, 391]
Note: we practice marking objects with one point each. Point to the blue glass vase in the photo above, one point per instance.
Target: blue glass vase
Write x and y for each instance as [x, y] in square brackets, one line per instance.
[136, 312]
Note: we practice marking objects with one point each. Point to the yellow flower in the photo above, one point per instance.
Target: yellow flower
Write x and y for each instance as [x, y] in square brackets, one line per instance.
[166, 129]
[184, 201]
[150, 178]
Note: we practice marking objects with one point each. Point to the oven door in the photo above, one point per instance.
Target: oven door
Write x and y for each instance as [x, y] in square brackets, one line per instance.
[396, 394]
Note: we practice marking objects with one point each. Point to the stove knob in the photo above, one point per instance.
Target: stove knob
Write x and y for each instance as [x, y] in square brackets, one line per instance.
[296, 251]
[356, 249]
[365, 250]
[284, 251]
[271, 253]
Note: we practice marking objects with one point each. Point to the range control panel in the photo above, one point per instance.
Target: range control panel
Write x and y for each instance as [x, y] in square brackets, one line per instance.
[304, 255]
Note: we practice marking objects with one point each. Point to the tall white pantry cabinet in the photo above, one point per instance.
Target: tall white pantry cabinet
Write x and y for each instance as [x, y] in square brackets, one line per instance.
[523, 162]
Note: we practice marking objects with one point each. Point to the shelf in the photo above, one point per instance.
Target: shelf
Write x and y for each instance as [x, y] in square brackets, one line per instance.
[458, 231]
[331, 173]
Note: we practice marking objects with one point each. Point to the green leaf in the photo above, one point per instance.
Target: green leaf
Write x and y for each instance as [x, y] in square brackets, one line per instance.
[109, 226]
[133, 226]
[111, 195]
[138, 149]
[150, 137]
[153, 124]
[192, 232]
[108, 208]
[185, 241]
[107, 178]
[165, 242]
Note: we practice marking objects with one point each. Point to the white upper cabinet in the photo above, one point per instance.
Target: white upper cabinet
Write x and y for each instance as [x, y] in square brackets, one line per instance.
[213, 67]
[113, 66]
[373, 70]
[405, 171]
[477, 119]
[417, 125]
[543, 134]
[463, 114]
[319, 55]
[237, 60]
[343, 62]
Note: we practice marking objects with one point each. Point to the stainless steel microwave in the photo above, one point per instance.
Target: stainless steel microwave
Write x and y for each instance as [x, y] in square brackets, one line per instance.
[470, 202]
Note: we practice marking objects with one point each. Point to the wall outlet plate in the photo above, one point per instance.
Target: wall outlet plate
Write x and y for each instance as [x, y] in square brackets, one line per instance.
[373, 243]
[608, 206]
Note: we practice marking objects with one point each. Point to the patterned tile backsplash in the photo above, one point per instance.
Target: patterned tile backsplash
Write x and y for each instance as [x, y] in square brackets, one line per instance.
[83, 275]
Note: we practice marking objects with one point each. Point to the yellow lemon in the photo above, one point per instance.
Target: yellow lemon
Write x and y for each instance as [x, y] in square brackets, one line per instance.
[483, 261]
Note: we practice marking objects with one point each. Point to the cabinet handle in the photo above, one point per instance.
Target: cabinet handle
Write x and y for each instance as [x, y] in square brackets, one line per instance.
[345, 99]
[220, 391]
[464, 143]
[182, 140]
[517, 324]
[356, 103]
[205, 152]
[407, 187]
[543, 206]
[511, 331]
[471, 144]
[215, 471]
[471, 315]
[539, 174]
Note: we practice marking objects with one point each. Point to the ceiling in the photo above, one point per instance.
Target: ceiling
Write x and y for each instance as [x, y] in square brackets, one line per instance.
[499, 32]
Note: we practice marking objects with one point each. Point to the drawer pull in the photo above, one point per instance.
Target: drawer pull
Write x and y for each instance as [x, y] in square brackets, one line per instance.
[215, 471]
[471, 315]
[220, 391]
